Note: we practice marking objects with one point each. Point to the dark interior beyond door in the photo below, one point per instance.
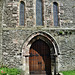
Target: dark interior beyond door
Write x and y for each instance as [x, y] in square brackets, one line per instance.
[39, 59]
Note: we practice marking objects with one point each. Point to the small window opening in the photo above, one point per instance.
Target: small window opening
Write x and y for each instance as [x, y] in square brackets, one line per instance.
[22, 13]
[55, 13]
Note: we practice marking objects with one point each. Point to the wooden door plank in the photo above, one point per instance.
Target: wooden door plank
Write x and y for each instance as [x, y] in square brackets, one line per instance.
[40, 64]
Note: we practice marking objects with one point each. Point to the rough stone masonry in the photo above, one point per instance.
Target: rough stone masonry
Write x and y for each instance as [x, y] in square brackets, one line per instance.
[13, 36]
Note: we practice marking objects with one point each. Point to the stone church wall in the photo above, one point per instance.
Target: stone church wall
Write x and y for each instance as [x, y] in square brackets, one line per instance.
[13, 35]
[67, 50]
[14, 39]
[66, 13]
[0, 30]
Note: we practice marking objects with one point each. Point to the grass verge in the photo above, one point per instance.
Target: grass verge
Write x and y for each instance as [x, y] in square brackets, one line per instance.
[68, 72]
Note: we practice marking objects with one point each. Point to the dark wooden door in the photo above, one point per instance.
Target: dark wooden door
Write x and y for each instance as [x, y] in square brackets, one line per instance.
[39, 60]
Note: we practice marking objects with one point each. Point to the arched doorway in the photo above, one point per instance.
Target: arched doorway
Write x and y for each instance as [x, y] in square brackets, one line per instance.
[30, 52]
[40, 59]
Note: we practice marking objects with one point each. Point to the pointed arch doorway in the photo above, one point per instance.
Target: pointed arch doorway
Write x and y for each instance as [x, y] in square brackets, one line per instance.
[39, 60]
[40, 54]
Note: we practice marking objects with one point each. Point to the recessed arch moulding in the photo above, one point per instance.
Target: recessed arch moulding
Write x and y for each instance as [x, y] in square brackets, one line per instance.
[47, 38]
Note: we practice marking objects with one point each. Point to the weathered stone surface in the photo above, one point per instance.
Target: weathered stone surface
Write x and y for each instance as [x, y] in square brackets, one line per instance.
[1, 30]
[13, 36]
[66, 13]
[12, 45]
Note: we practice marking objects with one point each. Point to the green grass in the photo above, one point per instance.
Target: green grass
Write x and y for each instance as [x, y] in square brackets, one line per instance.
[9, 71]
[69, 72]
